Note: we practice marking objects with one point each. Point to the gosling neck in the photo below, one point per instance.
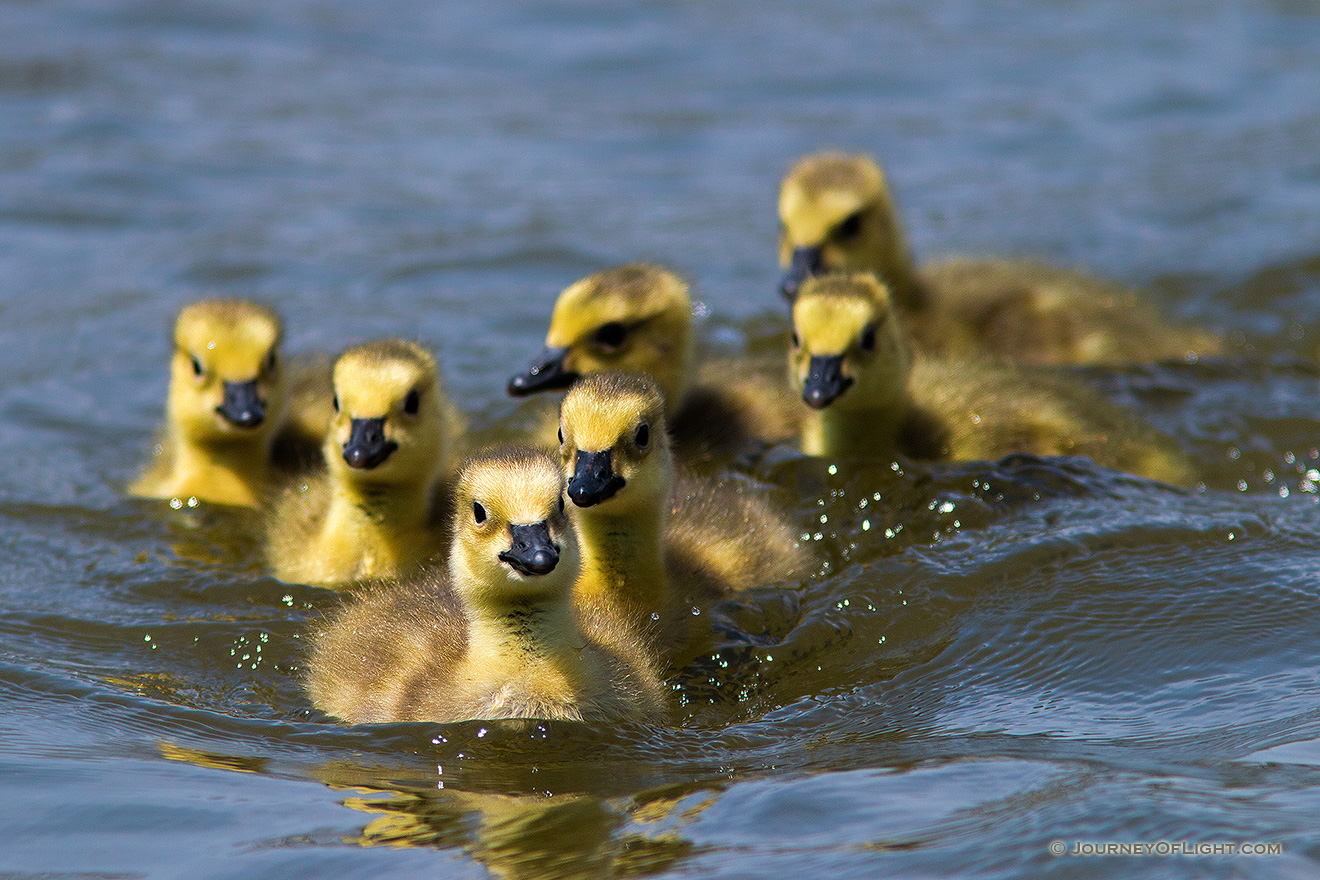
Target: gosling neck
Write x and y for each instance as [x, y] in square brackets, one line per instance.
[871, 432]
[386, 515]
[229, 473]
[623, 563]
[895, 265]
[679, 383]
[534, 631]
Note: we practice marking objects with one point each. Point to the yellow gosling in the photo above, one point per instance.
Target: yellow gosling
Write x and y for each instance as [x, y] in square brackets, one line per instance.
[378, 509]
[496, 636]
[837, 215]
[652, 553]
[867, 396]
[227, 400]
[637, 318]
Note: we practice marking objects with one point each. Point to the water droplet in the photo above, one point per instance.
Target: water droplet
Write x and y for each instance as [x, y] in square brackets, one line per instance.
[655, 615]
[696, 612]
[866, 525]
[481, 733]
[176, 503]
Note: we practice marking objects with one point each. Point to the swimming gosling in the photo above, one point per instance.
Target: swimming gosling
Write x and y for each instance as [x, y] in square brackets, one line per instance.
[637, 318]
[227, 400]
[866, 395]
[497, 635]
[656, 548]
[379, 508]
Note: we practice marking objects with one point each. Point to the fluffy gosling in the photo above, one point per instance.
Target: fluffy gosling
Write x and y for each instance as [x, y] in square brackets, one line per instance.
[497, 635]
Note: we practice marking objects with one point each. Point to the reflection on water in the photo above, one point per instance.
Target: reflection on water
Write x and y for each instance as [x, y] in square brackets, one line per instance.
[528, 836]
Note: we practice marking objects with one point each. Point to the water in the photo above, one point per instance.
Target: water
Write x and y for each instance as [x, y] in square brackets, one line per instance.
[994, 656]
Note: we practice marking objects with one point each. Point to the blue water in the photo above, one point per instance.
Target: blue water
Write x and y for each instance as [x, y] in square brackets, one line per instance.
[1005, 655]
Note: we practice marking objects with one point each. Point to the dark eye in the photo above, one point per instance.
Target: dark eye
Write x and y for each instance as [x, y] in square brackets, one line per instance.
[478, 512]
[611, 335]
[797, 340]
[561, 436]
[868, 338]
[849, 227]
[197, 366]
[643, 435]
[336, 402]
[412, 402]
[561, 503]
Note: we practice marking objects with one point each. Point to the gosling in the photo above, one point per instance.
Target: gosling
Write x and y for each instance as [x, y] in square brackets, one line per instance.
[836, 213]
[227, 400]
[495, 637]
[656, 548]
[378, 510]
[637, 318]
[866, 396]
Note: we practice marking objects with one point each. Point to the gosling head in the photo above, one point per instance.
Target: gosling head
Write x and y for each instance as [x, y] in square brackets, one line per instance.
[848, 350]
[227, 384]
[614, 445]
[635, 319]
[835, 214]
[512, 539]
[388, 425]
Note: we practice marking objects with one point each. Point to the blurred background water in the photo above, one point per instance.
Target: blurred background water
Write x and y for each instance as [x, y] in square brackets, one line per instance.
[994, 656]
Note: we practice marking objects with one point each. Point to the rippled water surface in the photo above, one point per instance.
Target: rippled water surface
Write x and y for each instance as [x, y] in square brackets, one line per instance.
[994, 656]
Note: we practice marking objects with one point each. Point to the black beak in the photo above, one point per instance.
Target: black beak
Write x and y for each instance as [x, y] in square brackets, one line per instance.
[532, 552]
[825, 381]
[242, 407]
[804, 264]
[367, 446]
[594, 479]
[545, 373]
